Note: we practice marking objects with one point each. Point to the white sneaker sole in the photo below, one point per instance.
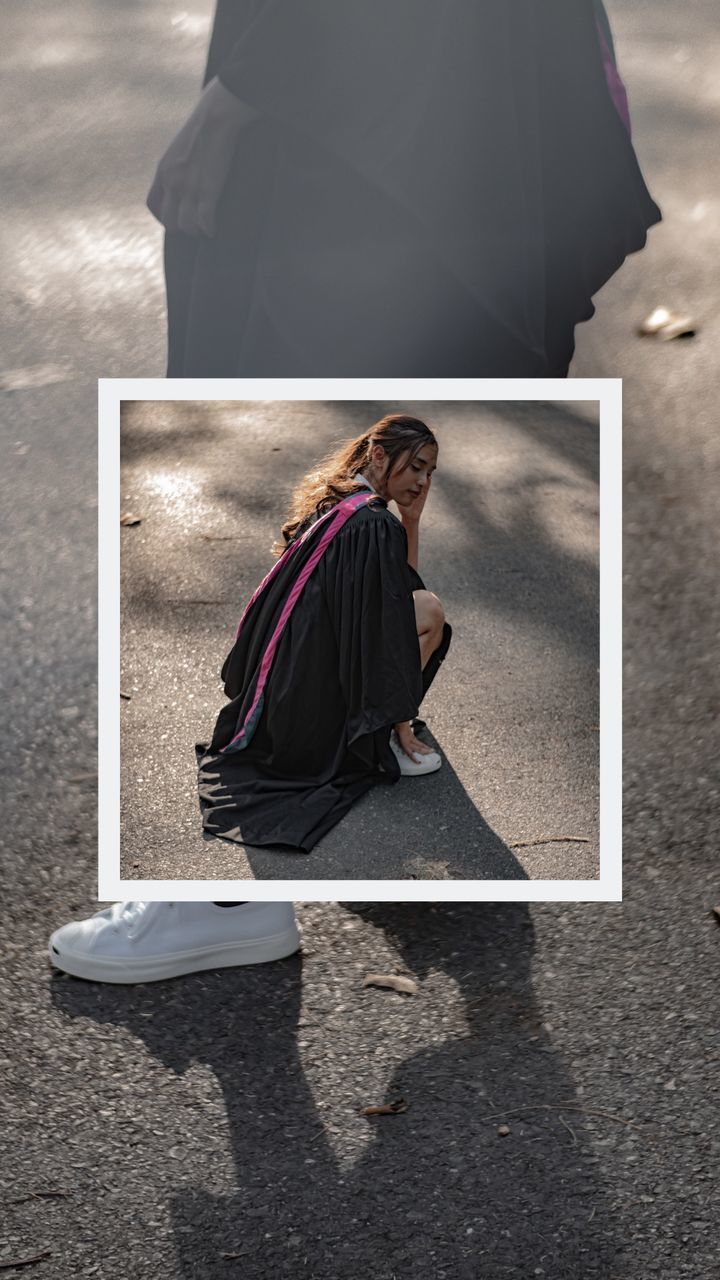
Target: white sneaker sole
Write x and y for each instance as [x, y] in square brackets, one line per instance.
[408, 771]
[409, 768]
[156, 968]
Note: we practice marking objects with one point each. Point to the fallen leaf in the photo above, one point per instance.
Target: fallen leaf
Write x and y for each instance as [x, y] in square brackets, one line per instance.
[386, 1109]
[654, 322]
[503, 1130]
[408, 985]
[127, 518]
[664, 324]
[679, 327]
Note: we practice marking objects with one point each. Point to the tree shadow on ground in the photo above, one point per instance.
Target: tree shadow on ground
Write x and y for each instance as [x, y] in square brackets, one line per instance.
[187, 429]
[436, 1191]
[176, 428]
[571, 434]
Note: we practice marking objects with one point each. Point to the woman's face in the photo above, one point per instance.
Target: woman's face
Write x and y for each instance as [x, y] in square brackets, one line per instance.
[411, 475]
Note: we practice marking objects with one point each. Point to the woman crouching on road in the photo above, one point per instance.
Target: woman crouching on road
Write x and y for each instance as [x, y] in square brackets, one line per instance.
[334, 651]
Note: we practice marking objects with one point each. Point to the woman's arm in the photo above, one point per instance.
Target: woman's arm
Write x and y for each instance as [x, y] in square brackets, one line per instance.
[412, 529]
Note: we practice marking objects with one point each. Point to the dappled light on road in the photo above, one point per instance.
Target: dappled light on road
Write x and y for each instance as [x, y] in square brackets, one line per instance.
[192, 24]
[91, 257]
[178, 495]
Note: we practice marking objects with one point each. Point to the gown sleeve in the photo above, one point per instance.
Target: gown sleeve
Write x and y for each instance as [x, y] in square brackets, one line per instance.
[366, 583]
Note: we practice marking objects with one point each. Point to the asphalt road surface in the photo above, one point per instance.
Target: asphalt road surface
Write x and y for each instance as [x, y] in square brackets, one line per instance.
[509, 541]
[155, 1131]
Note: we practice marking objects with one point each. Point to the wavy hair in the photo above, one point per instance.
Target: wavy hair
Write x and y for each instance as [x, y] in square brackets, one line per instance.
[400, 435]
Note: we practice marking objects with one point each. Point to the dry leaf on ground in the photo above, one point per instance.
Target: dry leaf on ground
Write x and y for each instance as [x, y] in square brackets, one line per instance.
[664, 324]
[127, 518]
[398, 983]
[386, 1109]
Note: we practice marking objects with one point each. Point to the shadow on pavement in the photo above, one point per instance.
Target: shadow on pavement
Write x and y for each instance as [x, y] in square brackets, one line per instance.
[436, 833]
[436, 1191]
[571, 434]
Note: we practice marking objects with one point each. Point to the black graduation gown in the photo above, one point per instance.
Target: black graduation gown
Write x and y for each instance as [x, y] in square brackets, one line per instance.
[430, 187]
[347, 668]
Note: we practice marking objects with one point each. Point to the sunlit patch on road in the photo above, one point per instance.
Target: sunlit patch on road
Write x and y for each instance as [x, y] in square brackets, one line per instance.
[61, 53]
[179, 495]
[38, 375]
[191, 24]
[94, 259]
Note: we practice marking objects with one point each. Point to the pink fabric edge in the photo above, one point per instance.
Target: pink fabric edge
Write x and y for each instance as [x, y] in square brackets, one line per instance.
[347, 509]
[276, 567]
[618, 92]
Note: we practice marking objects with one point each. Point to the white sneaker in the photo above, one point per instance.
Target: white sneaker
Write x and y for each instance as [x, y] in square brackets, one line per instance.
[146, 941]
[425, 763]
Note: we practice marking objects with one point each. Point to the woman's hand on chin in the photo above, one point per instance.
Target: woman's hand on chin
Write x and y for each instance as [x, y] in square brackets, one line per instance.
[411, 512]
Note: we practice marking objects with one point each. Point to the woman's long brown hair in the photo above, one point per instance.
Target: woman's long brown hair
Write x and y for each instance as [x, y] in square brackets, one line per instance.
[399, 434]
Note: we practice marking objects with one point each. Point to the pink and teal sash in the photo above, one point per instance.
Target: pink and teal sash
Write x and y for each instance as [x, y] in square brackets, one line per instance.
[330, 524]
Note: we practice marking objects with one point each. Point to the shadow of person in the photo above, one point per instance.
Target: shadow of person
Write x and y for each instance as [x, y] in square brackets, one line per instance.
[524, 1204]
[435, 1191]
[395, 833]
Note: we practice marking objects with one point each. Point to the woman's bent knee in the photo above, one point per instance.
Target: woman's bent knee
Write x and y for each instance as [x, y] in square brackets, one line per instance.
[429, 611]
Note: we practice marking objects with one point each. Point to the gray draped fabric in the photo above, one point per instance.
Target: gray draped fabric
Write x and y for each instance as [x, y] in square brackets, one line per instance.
[431, 187]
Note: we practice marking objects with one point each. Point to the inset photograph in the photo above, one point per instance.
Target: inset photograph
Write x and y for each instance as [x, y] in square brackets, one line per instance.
[359, 640]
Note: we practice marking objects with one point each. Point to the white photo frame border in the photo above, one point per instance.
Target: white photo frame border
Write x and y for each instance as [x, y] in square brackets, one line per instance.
[606, 393]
